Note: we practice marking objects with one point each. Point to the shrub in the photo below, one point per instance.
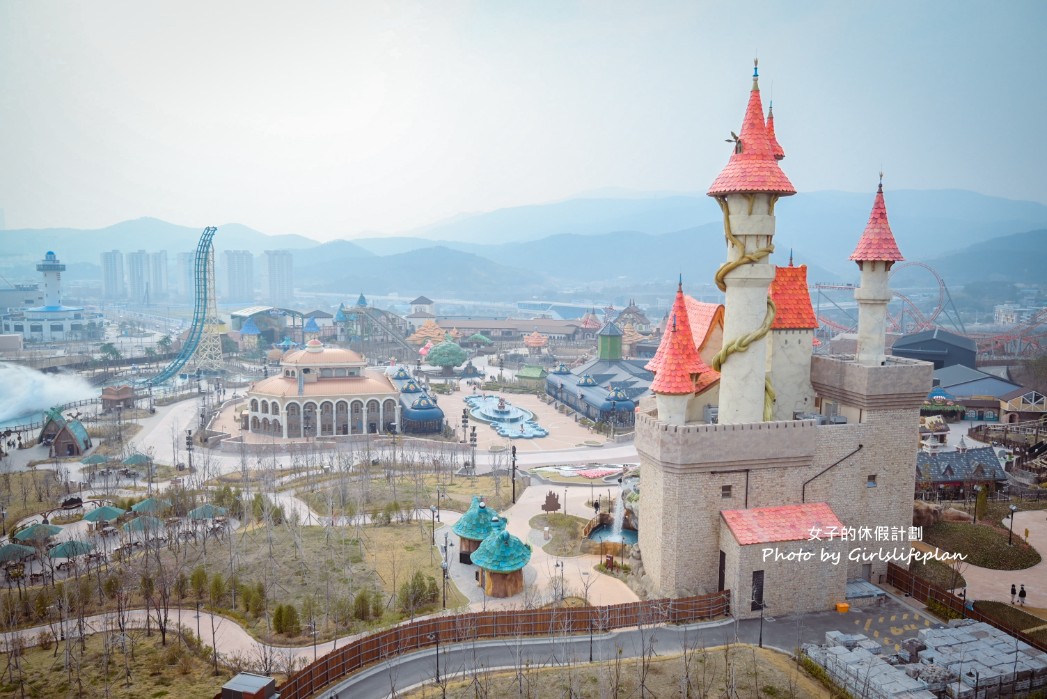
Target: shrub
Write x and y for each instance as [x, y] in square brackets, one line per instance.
[292, 625]
[362, 606]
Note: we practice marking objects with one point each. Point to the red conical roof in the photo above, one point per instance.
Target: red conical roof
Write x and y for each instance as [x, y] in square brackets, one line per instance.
[753, 167]
[676, 362]
[877, 242]
[792, 299]
[779, 153]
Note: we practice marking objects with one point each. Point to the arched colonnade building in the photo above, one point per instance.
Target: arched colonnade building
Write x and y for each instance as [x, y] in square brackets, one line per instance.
[321, 392]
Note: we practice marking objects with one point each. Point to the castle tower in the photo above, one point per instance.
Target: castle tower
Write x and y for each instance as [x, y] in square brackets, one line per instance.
[747, 190]
[792, 342]
[875, 254]
[676, 365]
[52, 270]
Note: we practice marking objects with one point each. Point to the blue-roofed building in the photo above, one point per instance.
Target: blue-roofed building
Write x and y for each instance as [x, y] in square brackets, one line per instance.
[473, 527]
[956, 473]
[64, 436]
[604, 389]
[419, 412]
[501, 558]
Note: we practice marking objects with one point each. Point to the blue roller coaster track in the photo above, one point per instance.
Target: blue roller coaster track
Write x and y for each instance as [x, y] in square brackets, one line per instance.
[196, 331]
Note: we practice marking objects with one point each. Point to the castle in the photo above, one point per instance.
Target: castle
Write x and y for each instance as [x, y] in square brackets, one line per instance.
[770, 471]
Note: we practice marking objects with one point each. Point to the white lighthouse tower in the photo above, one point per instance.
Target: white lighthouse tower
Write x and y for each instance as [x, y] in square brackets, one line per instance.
[876, 253]
[747, 190]
[52, 270]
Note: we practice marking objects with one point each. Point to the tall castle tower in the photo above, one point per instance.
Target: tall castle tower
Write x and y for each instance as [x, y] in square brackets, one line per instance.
[718, 495]
[747, 190]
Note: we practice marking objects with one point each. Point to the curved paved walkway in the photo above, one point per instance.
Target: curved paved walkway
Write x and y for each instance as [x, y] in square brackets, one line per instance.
[995, 585]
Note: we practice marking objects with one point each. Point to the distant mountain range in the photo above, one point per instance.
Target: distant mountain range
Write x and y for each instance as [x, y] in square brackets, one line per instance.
[602, 242]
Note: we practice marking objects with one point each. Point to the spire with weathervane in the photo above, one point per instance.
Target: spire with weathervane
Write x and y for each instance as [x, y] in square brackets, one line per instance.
[747, 190]
[876, 254]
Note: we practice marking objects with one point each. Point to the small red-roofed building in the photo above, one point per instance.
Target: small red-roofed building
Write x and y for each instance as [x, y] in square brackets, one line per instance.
[792, 343]
[783, 560]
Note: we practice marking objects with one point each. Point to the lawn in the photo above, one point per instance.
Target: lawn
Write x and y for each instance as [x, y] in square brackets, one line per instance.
[984, 545]
[156, 671]
[744, 672]
[938, 573]
[326, 567]
[565, 531]
[357, 494]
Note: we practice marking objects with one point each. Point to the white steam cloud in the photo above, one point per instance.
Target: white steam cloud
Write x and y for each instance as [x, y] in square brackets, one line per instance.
[25, 391]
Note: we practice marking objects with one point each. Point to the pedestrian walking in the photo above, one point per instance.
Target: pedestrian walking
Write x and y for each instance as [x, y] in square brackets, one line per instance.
[1014, 593]
[1021, 596]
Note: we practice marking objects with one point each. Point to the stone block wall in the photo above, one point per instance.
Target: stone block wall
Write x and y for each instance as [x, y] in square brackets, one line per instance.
[767, 464]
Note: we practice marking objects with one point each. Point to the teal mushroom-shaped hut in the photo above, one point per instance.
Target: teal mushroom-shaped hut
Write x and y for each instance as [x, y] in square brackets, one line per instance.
[501, 559]
[472, 528]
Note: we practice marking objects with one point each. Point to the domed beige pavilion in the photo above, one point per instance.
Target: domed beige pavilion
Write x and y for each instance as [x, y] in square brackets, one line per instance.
[323, 391]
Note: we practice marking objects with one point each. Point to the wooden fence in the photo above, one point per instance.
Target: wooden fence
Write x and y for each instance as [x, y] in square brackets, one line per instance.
[459, 628]
[925, 592]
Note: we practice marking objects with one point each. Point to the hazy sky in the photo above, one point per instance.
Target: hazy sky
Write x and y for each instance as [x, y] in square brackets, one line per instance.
[332, 119]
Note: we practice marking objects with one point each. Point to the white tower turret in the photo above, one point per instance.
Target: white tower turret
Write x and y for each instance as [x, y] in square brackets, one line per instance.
[747, 190]
[52, 270]
[876, 254]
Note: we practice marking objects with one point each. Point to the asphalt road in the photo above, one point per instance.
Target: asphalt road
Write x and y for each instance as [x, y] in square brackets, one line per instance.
[465, 659]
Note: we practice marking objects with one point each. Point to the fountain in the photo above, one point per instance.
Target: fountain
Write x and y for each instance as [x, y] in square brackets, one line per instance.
[610, 532]
[506, 419]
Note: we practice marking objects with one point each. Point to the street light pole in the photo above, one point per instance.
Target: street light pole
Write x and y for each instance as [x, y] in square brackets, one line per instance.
[761, 624]
[1010, 533]
[443, 565]
[435, 636]
[472, 443]
[512, 450]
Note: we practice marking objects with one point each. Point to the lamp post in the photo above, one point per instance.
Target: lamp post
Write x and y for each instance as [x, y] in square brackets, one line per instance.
[443, 566]
[512, 452]
[189, 448]
[465, 424]
[762, 607]
[432, 510]
[472, 443]
[977, 490]
[590, 634]
[312, 626]
[1010, 532]
[560, 565]
[3, 521]
[435, 636]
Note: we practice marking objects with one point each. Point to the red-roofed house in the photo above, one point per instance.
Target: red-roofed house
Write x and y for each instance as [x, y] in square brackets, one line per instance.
[792, 343]
[784, 559]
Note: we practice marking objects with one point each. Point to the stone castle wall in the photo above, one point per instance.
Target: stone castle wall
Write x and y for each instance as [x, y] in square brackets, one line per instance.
[767, 464]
